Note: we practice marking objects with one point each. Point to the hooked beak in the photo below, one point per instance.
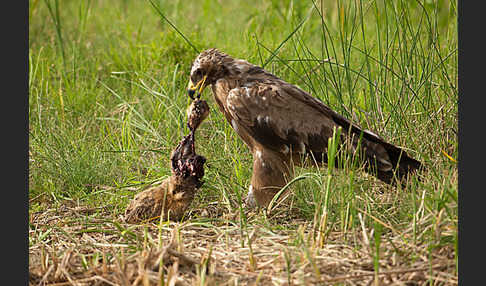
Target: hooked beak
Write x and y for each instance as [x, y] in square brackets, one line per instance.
[199, 87]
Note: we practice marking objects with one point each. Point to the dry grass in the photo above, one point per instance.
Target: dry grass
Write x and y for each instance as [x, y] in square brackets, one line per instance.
[81, 246]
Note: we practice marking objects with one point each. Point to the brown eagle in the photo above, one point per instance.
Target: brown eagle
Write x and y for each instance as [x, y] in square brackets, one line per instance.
[280, 123]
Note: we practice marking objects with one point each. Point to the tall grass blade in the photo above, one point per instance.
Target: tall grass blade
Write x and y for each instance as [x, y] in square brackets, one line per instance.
[275, 52]
[57, 22]
[157, 8]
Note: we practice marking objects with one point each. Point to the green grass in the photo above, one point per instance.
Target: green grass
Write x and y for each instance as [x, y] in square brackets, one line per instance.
[107, 101]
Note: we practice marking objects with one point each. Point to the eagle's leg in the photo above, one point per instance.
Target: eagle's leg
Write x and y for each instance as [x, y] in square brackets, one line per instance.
[271, 171]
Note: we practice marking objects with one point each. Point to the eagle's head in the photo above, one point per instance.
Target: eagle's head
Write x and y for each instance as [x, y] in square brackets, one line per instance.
[207, 68]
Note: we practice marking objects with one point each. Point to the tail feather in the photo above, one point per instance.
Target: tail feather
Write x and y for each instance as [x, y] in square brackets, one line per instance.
[402, 164]
[387, 161]
[384, 160]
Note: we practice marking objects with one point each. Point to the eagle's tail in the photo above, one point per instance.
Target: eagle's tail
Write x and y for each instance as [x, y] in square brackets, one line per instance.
[383, 160]
[401, 165]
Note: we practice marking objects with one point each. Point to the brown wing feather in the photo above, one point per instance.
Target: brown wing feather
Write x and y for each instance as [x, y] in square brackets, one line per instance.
[373, 141]
[278, 120]
[280, 116]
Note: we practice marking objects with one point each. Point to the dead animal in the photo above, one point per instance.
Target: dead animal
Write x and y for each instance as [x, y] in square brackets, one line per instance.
[173, 196]
[197, 112]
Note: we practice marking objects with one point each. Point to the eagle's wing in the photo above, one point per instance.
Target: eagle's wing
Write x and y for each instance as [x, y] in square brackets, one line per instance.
[283, 117]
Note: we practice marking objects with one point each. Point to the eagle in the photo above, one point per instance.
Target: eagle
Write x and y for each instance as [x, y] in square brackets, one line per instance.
[281, 124]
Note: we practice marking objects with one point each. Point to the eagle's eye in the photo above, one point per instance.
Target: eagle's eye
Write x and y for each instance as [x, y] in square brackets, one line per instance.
[196, 76]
